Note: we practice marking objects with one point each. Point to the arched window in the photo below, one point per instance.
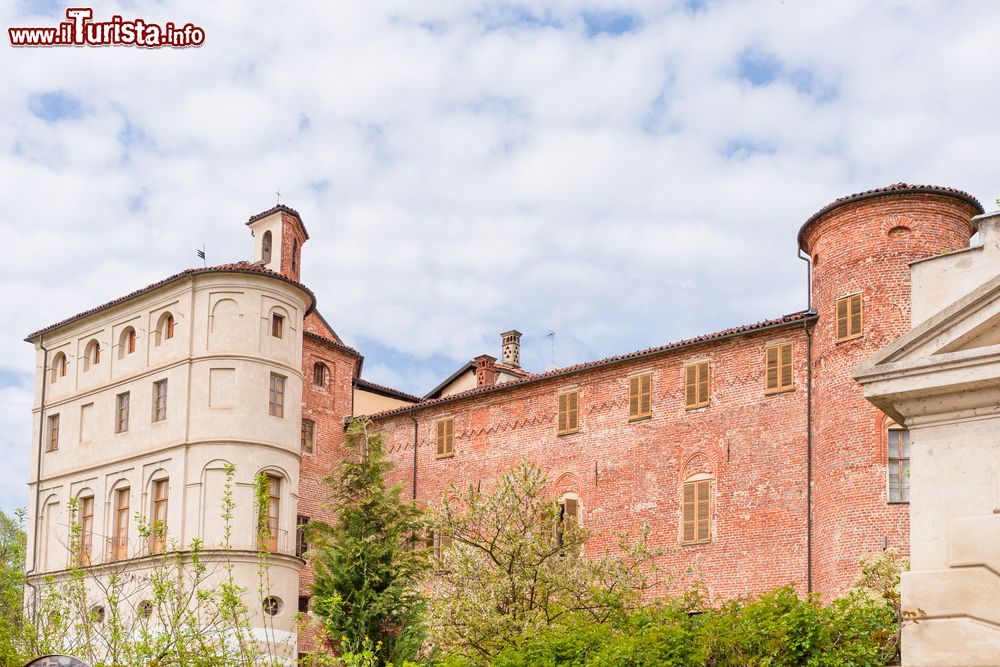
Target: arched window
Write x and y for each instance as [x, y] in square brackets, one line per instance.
[158, 516]
[86, 505]
[126, 342]
[295, 256]
[569, 516]
[58, 367]
[164, 328]
[696, 520]
[265, 248]
[91, 355]
[898, 462]
[321, 374]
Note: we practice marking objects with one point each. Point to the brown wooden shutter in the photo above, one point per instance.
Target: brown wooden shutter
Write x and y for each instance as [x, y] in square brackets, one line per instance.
[563, 412]
[633, 397]
[772, 368]
[573, 420]
[703, 383]
[843, 330]
[855, 328]
[440, 437]
[704, 489]
[645, 395]
[572, 508]
[786, 366]
[691, 387]
[449, 436]
[689, 512]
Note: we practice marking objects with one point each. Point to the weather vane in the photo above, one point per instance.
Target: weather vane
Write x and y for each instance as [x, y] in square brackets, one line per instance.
[278, 192]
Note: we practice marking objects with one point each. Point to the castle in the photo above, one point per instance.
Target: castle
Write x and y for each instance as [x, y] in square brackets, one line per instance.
[749, 452]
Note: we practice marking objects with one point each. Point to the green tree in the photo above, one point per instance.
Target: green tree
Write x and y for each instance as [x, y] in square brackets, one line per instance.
[516, 566]
[12, 550]
[368, 569]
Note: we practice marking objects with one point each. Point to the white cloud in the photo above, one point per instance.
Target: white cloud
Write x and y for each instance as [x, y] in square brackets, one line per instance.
[464, 168]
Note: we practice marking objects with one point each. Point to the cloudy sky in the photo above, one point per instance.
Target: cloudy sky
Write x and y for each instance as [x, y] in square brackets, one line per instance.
[624, 174]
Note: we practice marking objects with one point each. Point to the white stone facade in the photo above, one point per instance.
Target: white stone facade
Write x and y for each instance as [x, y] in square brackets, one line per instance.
[218, 361]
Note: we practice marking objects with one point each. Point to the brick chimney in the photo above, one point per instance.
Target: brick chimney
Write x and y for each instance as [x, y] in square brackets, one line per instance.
[486, 370]
[510, 348]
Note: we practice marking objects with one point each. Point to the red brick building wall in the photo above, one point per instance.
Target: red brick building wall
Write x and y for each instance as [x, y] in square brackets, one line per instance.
[754, 445]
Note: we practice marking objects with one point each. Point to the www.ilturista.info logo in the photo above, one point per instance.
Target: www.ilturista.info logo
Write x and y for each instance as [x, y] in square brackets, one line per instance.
[81, 30]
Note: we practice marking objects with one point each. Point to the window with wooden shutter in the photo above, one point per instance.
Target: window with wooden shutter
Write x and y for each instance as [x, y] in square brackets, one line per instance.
[569, 413]
[697, 509]
[86, 529]
[640, 404]
[696, 385]
[849, 317]
[53, 441]
[569, 515]
[445, 438]
[442, 542]
[308, 436]
[158, 526]
[119, 540]
[778, 361]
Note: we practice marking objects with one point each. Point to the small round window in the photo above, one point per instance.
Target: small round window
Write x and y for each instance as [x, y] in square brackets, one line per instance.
[145, 609]
[97, 614]
[272, 605]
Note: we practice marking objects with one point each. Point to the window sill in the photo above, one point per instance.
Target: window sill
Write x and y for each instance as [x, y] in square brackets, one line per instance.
[440, 457]
[774, 392]
[838, 341]
[692, 408]
[640, 418]
[696, 543]
[562, 433]
[897, 502]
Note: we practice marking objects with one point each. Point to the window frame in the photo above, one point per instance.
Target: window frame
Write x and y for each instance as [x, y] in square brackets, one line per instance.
[635, 395]
[277, 326]
[700, 379]
[301, 543]
[444, 438]
[563, 424]
[322, 372]
[160, 400]
[86, 546]
[122, 409]
[52, 433]
[903, 463]
[696, 483]
[850, 334]
[567, 503]
[119, 535]
[159, 507]
[780, 387]
[273, 518]
[276, 396]
[308, 425]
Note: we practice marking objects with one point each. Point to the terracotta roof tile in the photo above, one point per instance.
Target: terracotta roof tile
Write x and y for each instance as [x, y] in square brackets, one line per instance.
[381, 388]
[793, 318]
[895, 188]
[333, 343]
[274, 209]
[236, 267]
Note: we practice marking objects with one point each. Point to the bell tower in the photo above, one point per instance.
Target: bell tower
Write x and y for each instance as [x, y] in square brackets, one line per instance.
[279, 235]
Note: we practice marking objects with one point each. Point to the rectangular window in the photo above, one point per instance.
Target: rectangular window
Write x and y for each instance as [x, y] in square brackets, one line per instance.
[121, 413]
[158, 525]
[159, 401]
[86, 529]
[445, 438]
[52, 442]
[569, 414]
[277, 326]
[778, 360]
[301, 544]
[639, 403]
[697, 385]
[269, 524]
[849, 312]
[697, 511]
[308, 436]
[276, 401]
[899, 465]
[442, 542]
[119, 540]
[304, 608]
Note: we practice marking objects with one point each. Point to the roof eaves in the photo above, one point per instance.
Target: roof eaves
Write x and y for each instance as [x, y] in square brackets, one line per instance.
[451, 378]
[237, 267]
[332, 343]
[385, 391]
[803, 316]
[274, 209]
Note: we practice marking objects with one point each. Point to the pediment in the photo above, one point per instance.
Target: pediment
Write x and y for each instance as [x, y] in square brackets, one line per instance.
[968, 327]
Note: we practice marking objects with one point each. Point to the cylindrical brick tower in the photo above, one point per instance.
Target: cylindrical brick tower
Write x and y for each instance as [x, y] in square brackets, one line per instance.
[860, 248]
